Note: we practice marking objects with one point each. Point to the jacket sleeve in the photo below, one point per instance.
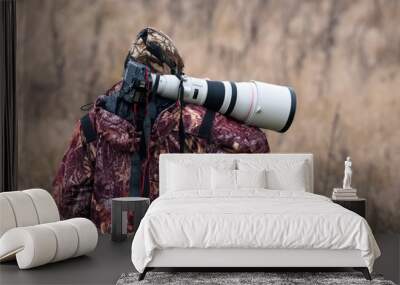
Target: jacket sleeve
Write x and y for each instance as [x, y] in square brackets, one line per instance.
[73, 184]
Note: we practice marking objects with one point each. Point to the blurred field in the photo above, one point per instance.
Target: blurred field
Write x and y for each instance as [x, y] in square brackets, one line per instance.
[342, 58]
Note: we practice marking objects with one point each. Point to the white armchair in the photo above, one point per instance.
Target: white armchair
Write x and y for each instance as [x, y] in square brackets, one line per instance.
[31, 230]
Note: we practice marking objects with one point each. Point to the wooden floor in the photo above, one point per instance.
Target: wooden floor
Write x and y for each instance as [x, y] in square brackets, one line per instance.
[111, 259]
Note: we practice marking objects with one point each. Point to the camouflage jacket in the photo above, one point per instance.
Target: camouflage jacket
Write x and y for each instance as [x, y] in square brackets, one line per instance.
[91, 174]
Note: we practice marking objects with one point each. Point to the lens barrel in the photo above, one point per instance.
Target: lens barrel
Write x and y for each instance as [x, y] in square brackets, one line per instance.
[255, 103]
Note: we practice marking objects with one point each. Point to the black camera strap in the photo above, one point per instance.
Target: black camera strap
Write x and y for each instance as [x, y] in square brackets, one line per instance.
[181, 125]
[88, 129]
[205, 129]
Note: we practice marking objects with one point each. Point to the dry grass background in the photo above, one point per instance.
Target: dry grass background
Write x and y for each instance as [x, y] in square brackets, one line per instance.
[342, 57]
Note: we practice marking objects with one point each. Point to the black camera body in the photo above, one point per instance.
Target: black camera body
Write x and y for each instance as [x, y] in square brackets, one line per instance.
[137, 79]
[136, 83]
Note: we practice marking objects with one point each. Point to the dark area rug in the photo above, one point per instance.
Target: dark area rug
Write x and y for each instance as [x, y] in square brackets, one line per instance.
[229, 278]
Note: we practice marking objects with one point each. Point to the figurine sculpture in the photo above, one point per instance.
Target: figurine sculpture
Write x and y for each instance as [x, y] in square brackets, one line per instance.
[347, 174]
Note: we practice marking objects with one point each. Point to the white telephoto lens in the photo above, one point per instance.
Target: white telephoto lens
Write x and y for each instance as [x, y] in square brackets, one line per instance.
[255, 103]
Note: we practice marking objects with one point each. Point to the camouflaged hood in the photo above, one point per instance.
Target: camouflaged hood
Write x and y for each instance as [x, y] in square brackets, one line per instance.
[156, 50]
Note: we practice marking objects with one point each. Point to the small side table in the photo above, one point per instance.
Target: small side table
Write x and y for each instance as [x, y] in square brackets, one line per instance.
[119, 214]
[358, 206]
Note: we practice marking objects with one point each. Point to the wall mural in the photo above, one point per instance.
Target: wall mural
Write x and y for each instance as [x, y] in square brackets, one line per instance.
[341, 57]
